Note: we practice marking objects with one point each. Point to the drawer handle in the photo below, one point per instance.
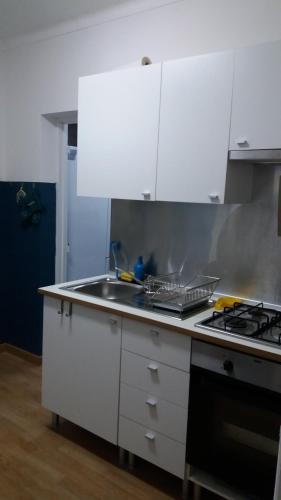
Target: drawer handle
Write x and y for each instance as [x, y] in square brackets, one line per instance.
[151, 402]
[60, 311]
[150, 436]
[152, 367]
[154, 333]
[214, 197]
[68, 314]
[146, 195]
[241, 141]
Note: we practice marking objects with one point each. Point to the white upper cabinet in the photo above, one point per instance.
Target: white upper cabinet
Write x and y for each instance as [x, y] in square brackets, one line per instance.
[118, 133]
[194, 128]
[256, 110]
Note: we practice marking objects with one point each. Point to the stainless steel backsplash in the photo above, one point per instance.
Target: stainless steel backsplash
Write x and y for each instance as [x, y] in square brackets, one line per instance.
[238, 243]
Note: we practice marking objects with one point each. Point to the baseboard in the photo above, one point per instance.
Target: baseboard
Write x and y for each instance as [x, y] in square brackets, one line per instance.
[21, 353]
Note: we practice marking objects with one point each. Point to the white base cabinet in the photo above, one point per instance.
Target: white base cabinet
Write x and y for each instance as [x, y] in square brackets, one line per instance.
[81, 366]
[155, 367]
[82, 380]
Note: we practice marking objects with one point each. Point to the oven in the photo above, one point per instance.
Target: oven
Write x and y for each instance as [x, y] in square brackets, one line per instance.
[234, 421]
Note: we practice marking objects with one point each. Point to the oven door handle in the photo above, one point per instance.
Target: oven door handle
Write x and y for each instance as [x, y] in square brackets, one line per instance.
[277, 489]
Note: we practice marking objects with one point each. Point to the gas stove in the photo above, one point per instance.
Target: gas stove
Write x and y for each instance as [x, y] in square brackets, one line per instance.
[255, 322]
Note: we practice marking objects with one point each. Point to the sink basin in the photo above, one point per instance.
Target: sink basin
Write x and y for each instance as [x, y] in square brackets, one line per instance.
[125, 293]
[109, 289]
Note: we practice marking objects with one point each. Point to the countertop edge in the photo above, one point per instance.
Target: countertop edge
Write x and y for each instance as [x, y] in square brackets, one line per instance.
[196, 334]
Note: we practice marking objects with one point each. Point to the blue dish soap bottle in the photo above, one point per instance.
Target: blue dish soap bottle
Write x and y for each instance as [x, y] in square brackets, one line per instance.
[139, 268]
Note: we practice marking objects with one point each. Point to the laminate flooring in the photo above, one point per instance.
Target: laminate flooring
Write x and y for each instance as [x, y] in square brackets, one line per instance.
[38, 463]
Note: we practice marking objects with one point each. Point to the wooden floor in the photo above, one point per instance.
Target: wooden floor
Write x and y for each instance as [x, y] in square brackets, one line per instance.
[38, 463]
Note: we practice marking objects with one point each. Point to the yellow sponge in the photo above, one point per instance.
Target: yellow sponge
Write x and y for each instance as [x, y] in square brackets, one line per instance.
[225, 302]
[126, 277]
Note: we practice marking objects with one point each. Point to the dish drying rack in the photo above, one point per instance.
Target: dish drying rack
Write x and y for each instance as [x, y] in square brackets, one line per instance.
[169, 292]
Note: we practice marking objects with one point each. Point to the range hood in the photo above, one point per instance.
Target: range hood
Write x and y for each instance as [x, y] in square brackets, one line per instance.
[268, 156]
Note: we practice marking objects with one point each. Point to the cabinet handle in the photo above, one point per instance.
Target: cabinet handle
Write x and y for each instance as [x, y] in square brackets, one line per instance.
[154, 333]
[241, 141]
[150, 436]
[60, 311]
[151, 402]
[152, 367]
[69, 313]
[113, 321]
[214, 197]
[146, 195]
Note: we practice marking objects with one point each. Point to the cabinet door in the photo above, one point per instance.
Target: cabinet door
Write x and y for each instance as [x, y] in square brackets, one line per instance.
[194, 128]
[256, 109]
[118, 120]
[81, 366]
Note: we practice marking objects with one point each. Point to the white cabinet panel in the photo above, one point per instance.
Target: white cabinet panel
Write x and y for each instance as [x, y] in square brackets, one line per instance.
[194, 128]
[118, 124]
[256, 109]
[152, 446]
[81, 366]
[157, 343]
[156, 378]
[158, 414]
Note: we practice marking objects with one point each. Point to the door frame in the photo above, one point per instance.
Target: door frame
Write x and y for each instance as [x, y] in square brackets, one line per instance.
[62, 206]
[61, 211]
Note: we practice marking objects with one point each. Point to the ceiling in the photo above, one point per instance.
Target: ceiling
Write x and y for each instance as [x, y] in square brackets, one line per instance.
[19, 17]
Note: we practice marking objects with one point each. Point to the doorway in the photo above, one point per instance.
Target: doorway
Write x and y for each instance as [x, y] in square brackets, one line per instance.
[87, 223]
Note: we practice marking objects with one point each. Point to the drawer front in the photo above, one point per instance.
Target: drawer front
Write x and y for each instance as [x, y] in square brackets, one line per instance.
[155, 378]
[157, 343]
[152, 446]
[153, 412]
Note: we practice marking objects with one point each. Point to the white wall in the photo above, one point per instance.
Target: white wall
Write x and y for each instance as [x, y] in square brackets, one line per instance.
[42, 76]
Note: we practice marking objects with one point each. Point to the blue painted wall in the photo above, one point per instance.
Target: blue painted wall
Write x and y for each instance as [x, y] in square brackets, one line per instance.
[27, 261]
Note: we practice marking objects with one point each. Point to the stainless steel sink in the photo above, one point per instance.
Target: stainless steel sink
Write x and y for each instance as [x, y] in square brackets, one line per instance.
[124, 293]
[109, 289]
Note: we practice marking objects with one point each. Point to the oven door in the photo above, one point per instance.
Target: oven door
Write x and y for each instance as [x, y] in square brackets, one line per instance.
[233, 433]
[277, 490]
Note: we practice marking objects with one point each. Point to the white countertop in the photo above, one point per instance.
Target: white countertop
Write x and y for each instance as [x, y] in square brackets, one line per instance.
[186, 326]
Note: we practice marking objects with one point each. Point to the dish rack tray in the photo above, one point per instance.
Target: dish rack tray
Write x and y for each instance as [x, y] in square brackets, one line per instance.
[169, 292]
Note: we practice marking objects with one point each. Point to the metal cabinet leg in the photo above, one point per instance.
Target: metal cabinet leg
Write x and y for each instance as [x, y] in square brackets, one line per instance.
[55, 421]
[121, 457]
[131, 460]
[197, 492]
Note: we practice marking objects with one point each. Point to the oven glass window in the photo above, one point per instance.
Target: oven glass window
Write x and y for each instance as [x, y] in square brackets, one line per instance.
[233, 432]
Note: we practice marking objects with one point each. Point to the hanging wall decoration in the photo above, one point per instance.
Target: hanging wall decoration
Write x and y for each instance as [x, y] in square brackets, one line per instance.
[29, 204]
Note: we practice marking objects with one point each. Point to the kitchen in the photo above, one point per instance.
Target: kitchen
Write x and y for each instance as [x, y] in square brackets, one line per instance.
[182, 220]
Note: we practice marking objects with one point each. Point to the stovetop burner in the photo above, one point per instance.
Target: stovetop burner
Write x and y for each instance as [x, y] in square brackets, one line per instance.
[235, 323]
[252, 321]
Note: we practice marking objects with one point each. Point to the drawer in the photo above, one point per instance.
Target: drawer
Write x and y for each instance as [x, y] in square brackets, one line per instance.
[153, 412]
[152, 446]
[155, 378]
[157, 343]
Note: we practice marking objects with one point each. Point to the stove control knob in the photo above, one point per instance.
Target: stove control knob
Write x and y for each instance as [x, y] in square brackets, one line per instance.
[228, 366]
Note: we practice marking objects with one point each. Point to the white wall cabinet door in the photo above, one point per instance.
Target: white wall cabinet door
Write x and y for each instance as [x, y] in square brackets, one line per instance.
[194, 128]
[256, 109]
[81, 366]
[118, 124]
